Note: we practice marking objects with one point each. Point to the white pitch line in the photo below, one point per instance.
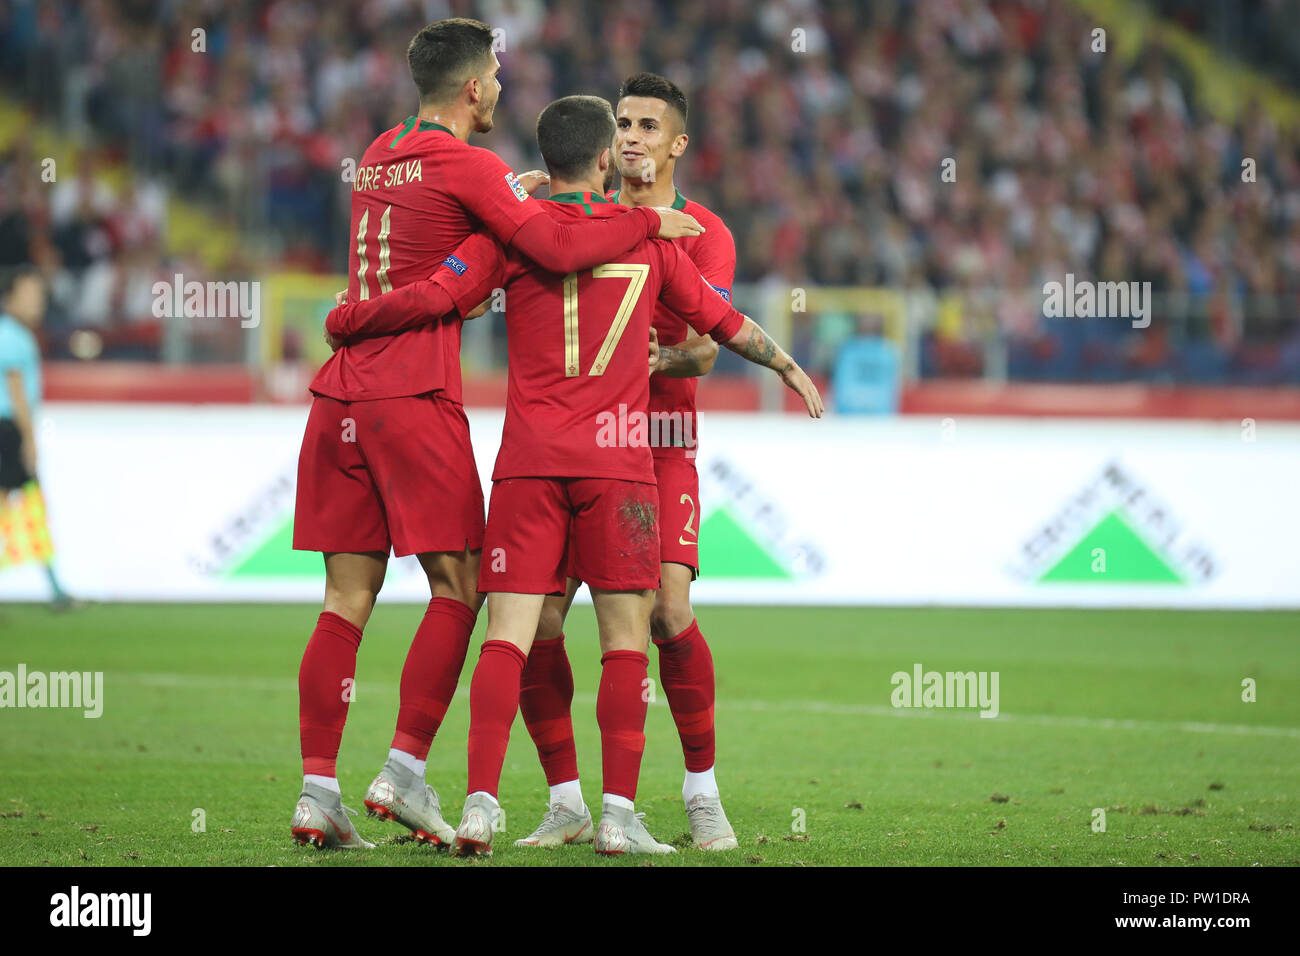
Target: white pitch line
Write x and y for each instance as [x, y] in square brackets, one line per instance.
[1051, 720]
[286, 685]
[203, 681]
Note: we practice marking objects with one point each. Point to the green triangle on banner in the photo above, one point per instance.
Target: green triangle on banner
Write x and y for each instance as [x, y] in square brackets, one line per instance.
[1127, 558]
[727, 550]
[275, 557]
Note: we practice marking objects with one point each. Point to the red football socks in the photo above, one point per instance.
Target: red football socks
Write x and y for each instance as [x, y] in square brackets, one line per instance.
[621, 712]
[545, 699]
[429, 677]
[329, 667]
[493, 700]
[686, 672]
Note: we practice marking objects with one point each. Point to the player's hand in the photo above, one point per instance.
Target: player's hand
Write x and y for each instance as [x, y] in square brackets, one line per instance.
[340, 300]
[335, 325]
[674, 224]
[532, 179]
[798, 382]
[479, 309]
[654, 350]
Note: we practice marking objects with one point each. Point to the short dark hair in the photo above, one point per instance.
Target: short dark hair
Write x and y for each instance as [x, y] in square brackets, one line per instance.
[657, 87]
[10, 276]
[572, 131]
[445, 54]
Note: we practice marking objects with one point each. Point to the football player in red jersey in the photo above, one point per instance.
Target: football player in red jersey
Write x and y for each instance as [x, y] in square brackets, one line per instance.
[573, 472]
[386, 461]
[651, 138]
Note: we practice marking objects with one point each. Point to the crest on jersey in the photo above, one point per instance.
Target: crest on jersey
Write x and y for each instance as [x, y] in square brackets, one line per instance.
[516, 187]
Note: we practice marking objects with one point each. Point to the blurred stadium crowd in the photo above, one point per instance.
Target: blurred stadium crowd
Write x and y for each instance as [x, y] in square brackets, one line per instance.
[818, 130]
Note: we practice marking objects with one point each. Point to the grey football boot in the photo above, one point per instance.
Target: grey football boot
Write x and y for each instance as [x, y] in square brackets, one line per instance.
[321, 820]
[621, 831]
[477, 825]
[709, 826]
[560, 826]
[398, 794]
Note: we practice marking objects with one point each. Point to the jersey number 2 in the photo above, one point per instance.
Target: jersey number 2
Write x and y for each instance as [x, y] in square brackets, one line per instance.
[637, 273]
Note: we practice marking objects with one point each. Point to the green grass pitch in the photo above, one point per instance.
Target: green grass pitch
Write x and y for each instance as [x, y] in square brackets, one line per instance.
[1138, 713]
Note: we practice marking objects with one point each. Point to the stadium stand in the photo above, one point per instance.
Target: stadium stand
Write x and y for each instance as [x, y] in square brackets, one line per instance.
[818, 138]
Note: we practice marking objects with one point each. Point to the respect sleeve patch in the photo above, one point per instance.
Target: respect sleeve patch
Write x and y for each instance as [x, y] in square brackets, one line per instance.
[455, 265]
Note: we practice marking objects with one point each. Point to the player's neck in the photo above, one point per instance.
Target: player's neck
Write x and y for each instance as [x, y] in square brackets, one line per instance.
[634, 192]
[561, 186]
[458, 118]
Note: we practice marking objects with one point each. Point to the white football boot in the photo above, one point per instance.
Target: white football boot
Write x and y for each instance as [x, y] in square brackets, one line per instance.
[321, 820]
[560, 826]
[477, 825]
[621, 831]
[398, 794]
[709, 826]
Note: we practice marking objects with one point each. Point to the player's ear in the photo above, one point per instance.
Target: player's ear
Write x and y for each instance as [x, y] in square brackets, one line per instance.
[603, 160]
[474, 87]
[679, 146]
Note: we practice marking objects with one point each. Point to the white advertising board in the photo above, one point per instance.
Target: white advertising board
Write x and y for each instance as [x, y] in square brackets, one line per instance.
[195, 503]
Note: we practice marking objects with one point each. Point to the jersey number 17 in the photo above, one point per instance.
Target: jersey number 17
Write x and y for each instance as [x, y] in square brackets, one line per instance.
[637, 272]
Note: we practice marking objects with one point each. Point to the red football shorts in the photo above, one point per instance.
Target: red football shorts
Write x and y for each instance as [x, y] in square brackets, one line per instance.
[604, 527]
[393, 472]
[679, 512]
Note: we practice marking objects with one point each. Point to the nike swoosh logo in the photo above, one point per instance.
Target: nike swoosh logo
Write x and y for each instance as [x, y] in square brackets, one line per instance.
[342, 835]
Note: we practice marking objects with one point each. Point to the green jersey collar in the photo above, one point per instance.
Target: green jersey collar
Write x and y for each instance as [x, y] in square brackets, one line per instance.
[584, 199]
[424, 126]
[678, 203]
[579, 197]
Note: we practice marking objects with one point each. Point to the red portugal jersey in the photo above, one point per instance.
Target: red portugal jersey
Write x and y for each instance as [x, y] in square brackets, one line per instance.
[714, 255]
[577, 403]
[418, 193]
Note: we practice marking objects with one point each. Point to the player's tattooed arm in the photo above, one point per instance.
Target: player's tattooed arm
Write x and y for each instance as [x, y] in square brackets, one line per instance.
[755, 345]
[688, 359]
[758, 346]
[688, 294]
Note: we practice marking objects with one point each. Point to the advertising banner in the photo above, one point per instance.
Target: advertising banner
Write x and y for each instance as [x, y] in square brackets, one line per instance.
[182, 503]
